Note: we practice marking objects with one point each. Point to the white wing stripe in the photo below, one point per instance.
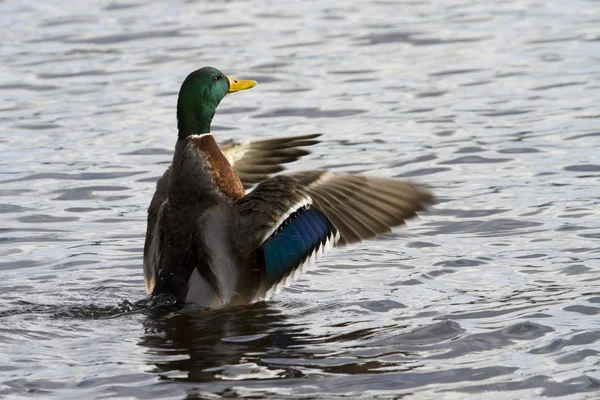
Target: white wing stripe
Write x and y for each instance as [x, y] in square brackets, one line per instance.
[302, 203]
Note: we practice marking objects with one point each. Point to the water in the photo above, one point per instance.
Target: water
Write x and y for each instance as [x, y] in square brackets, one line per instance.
[494, 105]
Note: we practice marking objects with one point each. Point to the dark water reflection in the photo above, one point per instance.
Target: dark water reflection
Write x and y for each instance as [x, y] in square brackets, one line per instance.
[209, 342]
[259, 344]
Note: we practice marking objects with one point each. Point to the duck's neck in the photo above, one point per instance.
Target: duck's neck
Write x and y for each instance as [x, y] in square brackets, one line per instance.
[193, 118]
[199, 167]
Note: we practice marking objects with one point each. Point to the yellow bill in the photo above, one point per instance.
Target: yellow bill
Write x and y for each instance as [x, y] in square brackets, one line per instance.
[237, 85]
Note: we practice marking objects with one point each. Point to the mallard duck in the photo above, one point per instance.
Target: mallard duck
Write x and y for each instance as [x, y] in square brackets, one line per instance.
[211, 244]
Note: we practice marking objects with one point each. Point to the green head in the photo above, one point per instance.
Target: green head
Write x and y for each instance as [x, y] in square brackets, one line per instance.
[199, 96]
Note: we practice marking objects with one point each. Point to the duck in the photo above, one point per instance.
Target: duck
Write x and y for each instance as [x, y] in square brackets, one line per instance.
[226, 229]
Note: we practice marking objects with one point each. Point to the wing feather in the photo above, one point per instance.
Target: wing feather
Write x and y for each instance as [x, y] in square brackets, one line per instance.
[254, 161]
[160, 195]
[293, 219]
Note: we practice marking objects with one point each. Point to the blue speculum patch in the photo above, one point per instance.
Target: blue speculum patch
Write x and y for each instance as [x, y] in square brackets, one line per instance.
[299, 236]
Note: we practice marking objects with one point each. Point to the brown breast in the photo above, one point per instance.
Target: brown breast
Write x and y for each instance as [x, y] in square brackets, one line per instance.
[223, 174]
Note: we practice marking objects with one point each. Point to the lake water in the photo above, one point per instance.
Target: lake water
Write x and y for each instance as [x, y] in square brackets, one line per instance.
[495, 293]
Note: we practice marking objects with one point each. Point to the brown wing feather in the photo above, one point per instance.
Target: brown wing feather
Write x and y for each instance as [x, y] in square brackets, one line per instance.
[257, 160]
[259, 211]
[160, 195]
[360, 207]
[363, 207]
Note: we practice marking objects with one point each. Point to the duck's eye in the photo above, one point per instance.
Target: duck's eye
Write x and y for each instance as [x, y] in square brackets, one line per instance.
[216, 78]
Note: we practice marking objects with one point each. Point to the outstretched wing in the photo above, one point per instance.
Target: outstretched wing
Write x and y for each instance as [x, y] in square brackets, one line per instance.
[254, 161]
[289, 220]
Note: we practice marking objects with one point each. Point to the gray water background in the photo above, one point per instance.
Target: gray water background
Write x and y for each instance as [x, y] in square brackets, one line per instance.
[494, 105]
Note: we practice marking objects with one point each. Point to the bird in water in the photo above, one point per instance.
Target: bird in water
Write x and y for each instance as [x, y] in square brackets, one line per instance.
[212, 245]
